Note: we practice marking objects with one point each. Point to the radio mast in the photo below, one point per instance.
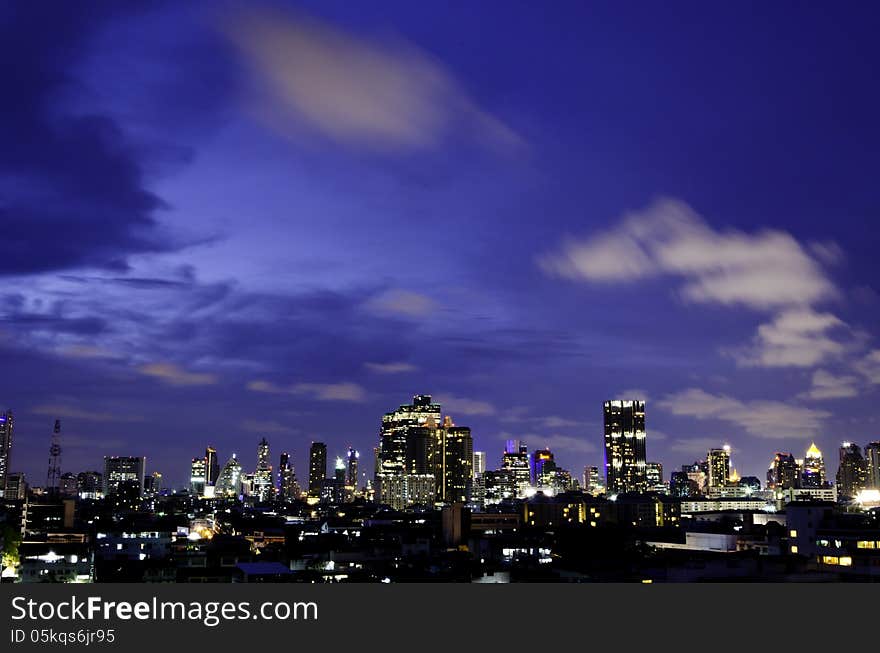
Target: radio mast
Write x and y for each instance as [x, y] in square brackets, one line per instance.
[53, 478]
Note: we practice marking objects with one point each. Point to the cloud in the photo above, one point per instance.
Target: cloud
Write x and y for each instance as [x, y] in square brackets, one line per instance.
[174, 375]
[268, 426]
[828, 386]
[762, 418]
[869, 366]
[61, 410]
[321, 391]
[694, 445]
[391, 368]
[794, 338]
[378, 94]
[764, 270]
[464, 406]
[401, 302]
[640, 395]
[556, 422]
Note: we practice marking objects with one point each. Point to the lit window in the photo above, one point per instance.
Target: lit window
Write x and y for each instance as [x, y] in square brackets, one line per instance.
[792, 533]
[794, 548]
[866, 544]
[845, 561]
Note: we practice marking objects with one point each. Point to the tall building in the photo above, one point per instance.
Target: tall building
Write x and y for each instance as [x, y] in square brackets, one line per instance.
[351, 475]
[229, 480]
[212, 466]
[317, 468]
[515, 460]
[197, 477]
[784, 472]
[123, 470]
[399, 449]
[263, 487]
[479, 463]
[625, 458]
[16, 487]
[454, 473]
[89, 485]
[852, 473]
[593, 480]
[872, 462]
[719, 467]
[654, 476]
[288, 487]
[813, 470]
[542, 463]
[7, 428]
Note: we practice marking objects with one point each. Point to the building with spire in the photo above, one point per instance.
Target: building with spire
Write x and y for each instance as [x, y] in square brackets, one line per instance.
[813, 471]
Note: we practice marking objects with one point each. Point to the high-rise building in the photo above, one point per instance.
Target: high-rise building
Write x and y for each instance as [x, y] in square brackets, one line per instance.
[813, 470]
[625, 459]
[351, 474]
[212, 466]
[479, 463]
[153, 484]
[229, 480]
[263, 487]
[288, 487]
[16, 487]
[515, 460]
[67, 485]
[719, 467]
[123, 470]
[197, 477]
[399, 449]
[89, 485]
[852, 473]
[872, 462]
[7, 429]
[317, 468]
[593, 480]
[542, 464]
[654, 476]
[784, 472]
[454, 474]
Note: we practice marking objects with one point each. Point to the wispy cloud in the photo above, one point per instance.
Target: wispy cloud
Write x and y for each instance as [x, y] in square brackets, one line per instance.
[343, 391]
[397, 301]
[869, 366]
[391, 368]
[695, 446]
[380, 94]
[794, 338]
[464, 406]
[62, 410]
[828, 386]
[174, 375]
[762, 418]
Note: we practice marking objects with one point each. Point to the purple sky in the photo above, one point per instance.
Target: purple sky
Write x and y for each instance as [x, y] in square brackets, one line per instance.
[229, 221]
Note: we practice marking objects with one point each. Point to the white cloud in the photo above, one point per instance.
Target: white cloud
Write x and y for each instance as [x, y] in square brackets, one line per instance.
[762, 418]
[321, 391]
[764, 270]
[634, 394]
[828, 386]
[869, 366]
[464, 406]
[174, 375]
[391, 368]
[794, 338]
[381, 94]
[62, 410]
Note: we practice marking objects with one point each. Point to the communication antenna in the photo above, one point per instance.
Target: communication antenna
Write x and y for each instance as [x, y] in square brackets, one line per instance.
[53, 478]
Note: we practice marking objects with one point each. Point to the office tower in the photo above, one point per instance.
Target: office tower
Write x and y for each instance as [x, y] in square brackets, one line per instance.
[454, 475]
[317, 468]
[15, 488]
[682, 485]
[212, 466]
[592, 480]
[153, 484]
[288, 487]
[339, 490]
[783, 473]
[7, 428]
[197, 476]
[542, 464]
[89, 485]
[67, 485]
[853, 472]
[813, 471]
[263, 488]
[394, 446]
[719, 467]
[625, 446]
[479, 463]
[351, 474]
[872, 463]
[515, 460]
[229, 480]
[123, 470]
[654, 476]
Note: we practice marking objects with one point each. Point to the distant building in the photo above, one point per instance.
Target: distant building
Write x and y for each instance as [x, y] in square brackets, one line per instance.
[783, 472]
[593, 480]
[263, 488]
[351, 474]
[229, 481]
[90, 485]
[317, 468]
[625, 460]
[515, 460]
[197, 477]
[654, 477]
[719, 467]
[16, 487]
[288, 487]
[872, 463]
[123, 469]
[852, 474]
[7, 429]
[212, 466]
[813, 471]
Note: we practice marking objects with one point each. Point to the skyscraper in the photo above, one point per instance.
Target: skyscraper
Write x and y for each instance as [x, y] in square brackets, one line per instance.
[317, 468]
[542, 462]
[625, 457]
[455, 474]
[479, 463]
[351, 476]
[719, 466]
[197, 477]
[212, 466]
[592, 480]
[7, 428]
[288, 487]
[783, 472]
[654, 476]
[263, 487]
[872, 462]
[122, 471]
[515, 460]
[229, 480]
[813, 471]
[853, 472]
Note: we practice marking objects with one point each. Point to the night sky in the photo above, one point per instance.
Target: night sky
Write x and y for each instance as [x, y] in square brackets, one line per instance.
[224, 221]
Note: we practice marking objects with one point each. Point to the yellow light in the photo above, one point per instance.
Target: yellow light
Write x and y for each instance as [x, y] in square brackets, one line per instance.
[792, 533]
[647, 581]
[845, 561]
[794, 548]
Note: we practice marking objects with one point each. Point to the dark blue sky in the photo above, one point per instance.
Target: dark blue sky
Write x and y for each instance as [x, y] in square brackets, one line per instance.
[231, 220]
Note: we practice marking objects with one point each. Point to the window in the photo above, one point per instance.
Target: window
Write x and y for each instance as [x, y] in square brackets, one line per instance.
[866, 544]
[794, 548]
[792, 533]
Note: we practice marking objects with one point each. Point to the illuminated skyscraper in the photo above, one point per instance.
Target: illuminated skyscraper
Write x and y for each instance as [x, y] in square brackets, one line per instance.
[654, 476]
[288, 487]
[479, 463]
[542, 462]
[625, 459]
[212, 466]
[263, 488]
[872, 462]
[229, 481]
[455, 473]
[7, 428]
[197, 477]
[396, 445]
[515, 460]
[813, 471]
[853, 472]
[123, 470]
[351, 475]
[719, 467]
[317, 468]
[783, 473]
[592, 480]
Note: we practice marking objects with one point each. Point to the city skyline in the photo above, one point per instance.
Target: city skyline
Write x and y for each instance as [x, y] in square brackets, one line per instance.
[525, 212]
